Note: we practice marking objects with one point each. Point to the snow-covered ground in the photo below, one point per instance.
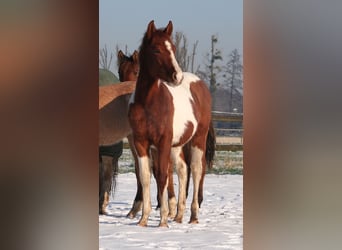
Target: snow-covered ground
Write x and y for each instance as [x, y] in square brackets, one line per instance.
[220, 218]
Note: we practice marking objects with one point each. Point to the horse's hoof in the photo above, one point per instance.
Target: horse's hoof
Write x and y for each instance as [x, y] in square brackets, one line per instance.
[130, 215]
[163, 224]
[193, 221]
[102, 212]
[142, 224]
[178, 220]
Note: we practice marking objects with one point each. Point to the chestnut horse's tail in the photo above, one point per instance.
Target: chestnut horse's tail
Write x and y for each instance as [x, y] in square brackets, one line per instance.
[210, 148]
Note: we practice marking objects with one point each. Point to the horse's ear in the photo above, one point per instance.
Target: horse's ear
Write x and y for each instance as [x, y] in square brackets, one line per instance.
[121, 56]
[151, 28]
[135, 56]
[169, 28]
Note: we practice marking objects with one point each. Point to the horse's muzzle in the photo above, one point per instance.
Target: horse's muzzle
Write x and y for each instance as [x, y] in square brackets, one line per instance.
[177, 78]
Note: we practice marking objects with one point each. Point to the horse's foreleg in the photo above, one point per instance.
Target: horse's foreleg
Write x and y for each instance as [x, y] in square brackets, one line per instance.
[137, 203]
[145, 177]
[181, 169]
[162, 181]
[197, 165]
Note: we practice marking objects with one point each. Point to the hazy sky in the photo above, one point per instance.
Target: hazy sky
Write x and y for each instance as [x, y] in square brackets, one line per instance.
[125, 21]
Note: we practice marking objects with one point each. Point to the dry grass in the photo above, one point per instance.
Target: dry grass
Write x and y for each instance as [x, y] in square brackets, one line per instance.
[225, 162]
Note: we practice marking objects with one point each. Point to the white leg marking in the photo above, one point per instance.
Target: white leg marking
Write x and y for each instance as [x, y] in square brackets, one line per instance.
[182, 177]
[196, 171]
[172, 207]
[145, 178]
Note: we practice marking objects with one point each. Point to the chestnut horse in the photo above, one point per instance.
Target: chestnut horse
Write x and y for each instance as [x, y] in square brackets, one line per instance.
[168, 109]
[114, 127]
[114, 124]
[113, 116]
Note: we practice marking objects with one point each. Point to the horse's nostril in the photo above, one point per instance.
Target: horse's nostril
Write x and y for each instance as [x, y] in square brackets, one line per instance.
[174, 76]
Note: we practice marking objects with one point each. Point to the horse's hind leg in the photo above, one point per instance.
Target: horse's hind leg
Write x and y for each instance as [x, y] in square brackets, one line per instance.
[101, 185]
[181, 169]
[171, 193]
[197, 165]
[154, 163]
[170, 189]
[200, 189]
[137, 203]
[106, 180]
[162, 172]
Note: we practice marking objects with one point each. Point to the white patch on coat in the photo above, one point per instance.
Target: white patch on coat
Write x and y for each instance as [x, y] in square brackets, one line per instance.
[179, 73]
[183, 111]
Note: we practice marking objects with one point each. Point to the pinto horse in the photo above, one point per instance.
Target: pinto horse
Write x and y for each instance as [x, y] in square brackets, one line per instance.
[168, 109]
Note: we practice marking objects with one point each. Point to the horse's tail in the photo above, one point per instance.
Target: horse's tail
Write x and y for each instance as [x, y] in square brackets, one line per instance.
[211, 144]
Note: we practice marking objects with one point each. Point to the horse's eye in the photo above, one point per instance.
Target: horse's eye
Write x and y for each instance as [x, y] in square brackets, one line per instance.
[156, 51]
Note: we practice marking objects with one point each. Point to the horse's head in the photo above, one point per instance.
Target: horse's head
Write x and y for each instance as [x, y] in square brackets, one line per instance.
[157, 55]
[128, 66]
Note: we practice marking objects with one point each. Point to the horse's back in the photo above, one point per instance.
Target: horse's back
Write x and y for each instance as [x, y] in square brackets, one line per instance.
[108, 93]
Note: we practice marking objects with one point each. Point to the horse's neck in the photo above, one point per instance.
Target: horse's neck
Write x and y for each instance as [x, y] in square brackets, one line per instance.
[143, 87]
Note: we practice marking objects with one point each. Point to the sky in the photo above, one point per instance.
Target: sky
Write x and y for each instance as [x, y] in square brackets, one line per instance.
[125, 22]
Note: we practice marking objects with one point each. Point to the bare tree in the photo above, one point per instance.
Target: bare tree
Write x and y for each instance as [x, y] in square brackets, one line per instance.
[211, 69]
[183, 58]
[233, 74]
[105, 59]
[194, 48]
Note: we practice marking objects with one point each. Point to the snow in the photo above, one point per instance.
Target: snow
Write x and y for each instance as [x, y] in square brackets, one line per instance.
[220, 218]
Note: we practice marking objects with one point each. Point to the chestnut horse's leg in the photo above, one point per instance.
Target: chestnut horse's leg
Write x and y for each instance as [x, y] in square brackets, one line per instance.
[200, 188]
[137, 203]
[154, 156]
[145, 179]
[162, 172]
[170, 189]
[105, 182]
[181, 168]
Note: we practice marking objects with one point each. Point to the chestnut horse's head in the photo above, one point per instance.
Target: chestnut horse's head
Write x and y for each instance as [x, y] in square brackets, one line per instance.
[128, 66]
[157, 55]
